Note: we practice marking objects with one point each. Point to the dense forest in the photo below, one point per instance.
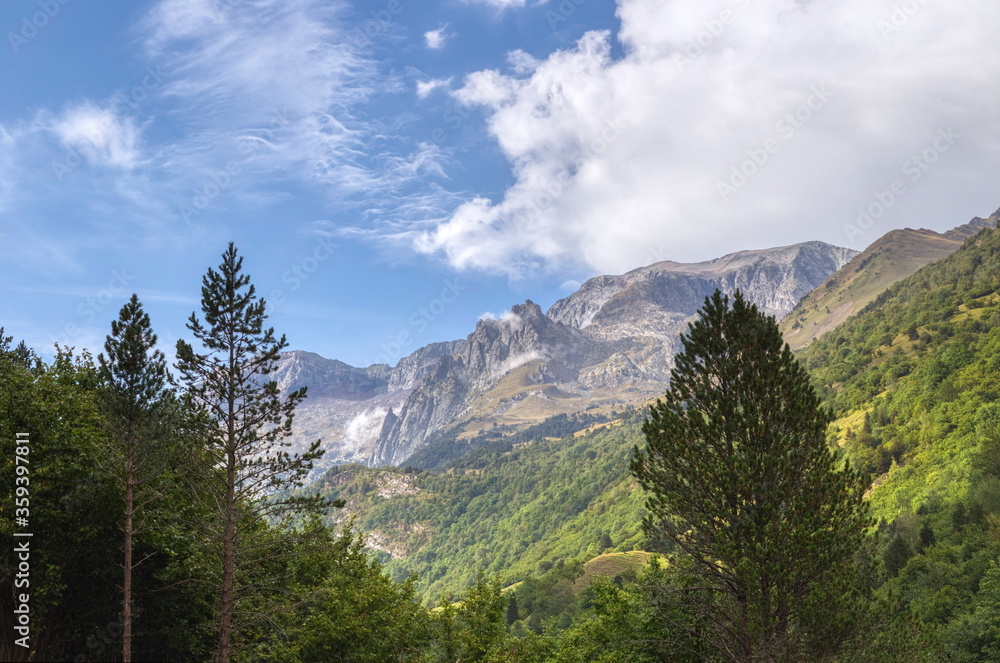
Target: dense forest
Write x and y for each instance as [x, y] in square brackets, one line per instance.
[523, 546]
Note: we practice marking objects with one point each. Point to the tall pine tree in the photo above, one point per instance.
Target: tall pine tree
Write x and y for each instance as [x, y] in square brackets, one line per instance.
[133, 393]
[741, 482]
[245, 426]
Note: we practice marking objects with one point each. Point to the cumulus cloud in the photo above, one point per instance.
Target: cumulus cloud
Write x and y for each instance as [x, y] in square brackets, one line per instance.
[521, 62]
[435, 38]
[752, 123]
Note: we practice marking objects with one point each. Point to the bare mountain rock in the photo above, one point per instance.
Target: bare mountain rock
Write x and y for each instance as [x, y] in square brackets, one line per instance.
[611, 341]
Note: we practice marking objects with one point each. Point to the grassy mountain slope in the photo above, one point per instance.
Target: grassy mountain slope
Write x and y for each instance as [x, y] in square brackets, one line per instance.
[894, 256]
[920, 365]
[915, 379]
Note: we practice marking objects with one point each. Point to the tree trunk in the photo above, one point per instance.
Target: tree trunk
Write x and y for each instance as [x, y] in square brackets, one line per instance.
[228, 561]
[127, 579]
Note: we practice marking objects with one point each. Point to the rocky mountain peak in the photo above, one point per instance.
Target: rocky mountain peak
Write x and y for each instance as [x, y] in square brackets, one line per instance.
[613, 340]
[773, 278]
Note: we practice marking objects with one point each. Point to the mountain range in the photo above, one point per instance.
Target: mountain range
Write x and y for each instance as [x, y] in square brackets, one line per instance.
[610, 343]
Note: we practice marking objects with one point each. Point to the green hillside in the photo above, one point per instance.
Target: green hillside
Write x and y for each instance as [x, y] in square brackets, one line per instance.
[514, 510]
[915, 380]
[920, 362]
[894, 256]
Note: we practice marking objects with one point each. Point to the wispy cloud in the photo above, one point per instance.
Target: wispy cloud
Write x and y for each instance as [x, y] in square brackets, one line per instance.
[281, 88]
[427, 88]
[102, 134]
[240, 102]
[499, 4]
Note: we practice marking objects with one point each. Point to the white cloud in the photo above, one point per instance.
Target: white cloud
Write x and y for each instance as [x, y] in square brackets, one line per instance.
[516, 361]
[521, 62]
[364, 427]
[102, 135]
[426, 88]
[507, 316]
[618, 162]
[435, 38]
[278, 83]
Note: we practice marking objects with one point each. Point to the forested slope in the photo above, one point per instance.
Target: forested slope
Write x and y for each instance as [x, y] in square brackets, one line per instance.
[915, 380]
[510, 509]
[914, 383]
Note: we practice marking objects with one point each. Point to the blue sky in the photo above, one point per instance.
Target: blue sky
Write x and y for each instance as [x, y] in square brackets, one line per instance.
[391, 171]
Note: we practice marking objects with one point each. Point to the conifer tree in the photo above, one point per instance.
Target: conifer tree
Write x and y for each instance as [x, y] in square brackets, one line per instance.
[245, 426]
[741, 482]
[133, 394]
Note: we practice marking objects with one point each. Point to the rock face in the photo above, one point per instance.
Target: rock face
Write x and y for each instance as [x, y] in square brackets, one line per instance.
[616, 335]
[775, 279]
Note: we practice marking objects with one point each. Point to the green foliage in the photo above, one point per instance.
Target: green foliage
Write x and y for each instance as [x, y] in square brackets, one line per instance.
[549, 600]
[929, 394]
[626, 625]
[524, 507]
[474, 629]
[740, 480]
[75, 563]
[244, 424]
[338, 605]
[132, 392]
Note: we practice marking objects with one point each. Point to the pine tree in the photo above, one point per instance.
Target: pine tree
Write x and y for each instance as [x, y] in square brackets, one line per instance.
[245, 426]
[741, 482]
[512, 613]
[897, 554]
[927, 538]
[132, 389]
